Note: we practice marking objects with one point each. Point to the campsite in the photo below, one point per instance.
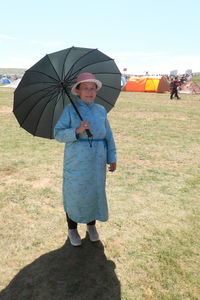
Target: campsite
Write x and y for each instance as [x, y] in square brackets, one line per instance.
[157, 84]
[149, 249]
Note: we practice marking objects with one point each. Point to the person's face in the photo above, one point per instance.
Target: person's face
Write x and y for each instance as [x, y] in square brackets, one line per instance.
[87, 91]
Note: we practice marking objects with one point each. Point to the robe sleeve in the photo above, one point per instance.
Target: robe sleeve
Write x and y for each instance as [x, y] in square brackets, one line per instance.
[62, 131]
[111, 148]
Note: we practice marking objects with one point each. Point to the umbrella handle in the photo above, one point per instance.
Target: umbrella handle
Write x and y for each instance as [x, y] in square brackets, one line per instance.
[89, 134]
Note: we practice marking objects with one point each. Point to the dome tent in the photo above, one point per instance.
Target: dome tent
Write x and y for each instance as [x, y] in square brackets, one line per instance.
[5, 80]
[123, 81]
[189, 87]
[154, 84]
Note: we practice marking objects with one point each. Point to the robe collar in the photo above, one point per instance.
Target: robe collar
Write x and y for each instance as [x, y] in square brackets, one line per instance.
[83, 103]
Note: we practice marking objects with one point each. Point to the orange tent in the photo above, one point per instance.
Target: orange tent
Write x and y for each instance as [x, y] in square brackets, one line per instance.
[157, 84]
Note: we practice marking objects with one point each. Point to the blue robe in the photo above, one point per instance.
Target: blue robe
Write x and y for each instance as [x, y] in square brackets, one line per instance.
[84, 174]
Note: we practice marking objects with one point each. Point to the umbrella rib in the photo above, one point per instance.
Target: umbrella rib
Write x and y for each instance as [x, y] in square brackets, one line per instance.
[54, 112]
[76, 62]
[27, 114]
[53, 68]
[63, 102]
[43, 111]
[98, 62]
[33, 71]
[45, 74]
[104, 100]
[108, 73]
[32, 84]
[112, 87]
[65, 61]
[35, 93]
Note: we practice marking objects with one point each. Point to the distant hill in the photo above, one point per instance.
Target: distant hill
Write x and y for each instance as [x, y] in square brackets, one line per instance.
[12, 71]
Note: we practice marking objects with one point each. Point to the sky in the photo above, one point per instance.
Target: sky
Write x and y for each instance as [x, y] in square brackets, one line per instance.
[141, 36]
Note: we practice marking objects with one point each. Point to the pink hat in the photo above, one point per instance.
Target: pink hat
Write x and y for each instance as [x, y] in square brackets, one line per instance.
[85, 77]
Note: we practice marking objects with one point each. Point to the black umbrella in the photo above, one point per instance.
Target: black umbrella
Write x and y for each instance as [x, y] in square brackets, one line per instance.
[45, 88]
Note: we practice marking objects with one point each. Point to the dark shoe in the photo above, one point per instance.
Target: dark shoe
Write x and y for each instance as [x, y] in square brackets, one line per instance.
[74, 237]
[93, 234]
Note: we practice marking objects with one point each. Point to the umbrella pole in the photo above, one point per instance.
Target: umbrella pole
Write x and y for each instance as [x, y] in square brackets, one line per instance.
[89, 134]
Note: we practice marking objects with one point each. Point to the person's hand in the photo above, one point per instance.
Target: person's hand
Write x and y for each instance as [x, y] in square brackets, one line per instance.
[112, 167]
[83, 126]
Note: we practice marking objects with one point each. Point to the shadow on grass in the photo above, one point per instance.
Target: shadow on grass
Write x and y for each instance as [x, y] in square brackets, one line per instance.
[68, 273]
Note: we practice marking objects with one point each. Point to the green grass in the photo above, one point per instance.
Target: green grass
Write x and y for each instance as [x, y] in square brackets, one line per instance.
[150, 247]
[196, 79]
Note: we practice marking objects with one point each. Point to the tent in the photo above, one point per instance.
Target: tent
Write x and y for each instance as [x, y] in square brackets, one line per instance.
[189, 87]
[123, 81]
[155, 84]
[5, 80]
[13, 84]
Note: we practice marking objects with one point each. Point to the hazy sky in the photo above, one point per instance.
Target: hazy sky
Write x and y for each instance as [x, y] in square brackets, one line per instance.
[155, 36]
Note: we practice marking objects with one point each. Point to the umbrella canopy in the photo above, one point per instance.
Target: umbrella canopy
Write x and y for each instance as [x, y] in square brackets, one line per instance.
[45, 88]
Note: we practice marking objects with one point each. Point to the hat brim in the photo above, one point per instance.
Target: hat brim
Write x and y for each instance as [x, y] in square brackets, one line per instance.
[98, 83]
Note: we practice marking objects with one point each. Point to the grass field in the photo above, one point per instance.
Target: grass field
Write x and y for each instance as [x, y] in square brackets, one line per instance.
[196, 79]
[12, 71]
[149, 249]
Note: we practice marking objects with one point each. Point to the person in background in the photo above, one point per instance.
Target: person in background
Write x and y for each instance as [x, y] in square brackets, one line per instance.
[174, 84]
[85, 160]
[182, 79]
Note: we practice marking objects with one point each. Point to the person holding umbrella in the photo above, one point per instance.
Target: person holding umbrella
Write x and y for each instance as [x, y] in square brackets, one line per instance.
[85, 158]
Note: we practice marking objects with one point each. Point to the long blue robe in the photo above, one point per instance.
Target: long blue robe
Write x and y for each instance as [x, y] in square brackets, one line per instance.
[84, 174]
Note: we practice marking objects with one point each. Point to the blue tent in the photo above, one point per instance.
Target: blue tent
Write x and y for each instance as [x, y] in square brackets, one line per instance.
[123, 81]
[5, 80]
